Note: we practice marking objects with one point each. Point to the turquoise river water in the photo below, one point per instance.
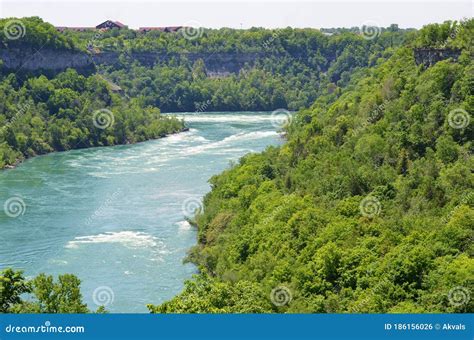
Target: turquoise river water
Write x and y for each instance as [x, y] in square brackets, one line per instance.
[115, 216]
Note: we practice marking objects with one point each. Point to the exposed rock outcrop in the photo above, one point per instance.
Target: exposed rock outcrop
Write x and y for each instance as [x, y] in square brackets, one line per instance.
[217, 64]
[53, 61]
[24, 60]
[430, 56]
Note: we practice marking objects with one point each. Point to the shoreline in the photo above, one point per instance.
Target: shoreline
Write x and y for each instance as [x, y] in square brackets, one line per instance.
[21, 161]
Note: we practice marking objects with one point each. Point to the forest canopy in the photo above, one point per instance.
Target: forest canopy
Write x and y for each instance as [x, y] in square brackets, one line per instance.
[367, 207]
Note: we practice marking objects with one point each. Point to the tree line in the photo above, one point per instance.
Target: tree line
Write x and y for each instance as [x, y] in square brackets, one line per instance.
[368, 206]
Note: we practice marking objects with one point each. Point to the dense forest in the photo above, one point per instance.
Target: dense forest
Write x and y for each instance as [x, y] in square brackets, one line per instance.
[68, 111]
[368, 206]
[288, 70]
[40, 115]
[56, 112]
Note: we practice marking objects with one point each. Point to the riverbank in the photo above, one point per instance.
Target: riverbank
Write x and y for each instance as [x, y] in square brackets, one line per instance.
[21, 160]
[116, 216]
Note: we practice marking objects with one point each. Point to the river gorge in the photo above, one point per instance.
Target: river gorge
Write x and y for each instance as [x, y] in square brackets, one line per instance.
[116, 216]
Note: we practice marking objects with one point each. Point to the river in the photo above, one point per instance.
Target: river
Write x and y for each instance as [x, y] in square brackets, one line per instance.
[115, 216]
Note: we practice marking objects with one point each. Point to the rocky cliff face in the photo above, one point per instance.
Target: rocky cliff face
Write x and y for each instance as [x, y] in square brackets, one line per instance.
[216, 63]
[20, 60]
[430, 56]
[53, 61]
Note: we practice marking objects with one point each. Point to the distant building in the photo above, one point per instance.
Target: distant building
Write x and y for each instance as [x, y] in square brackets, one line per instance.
[105, 25]
[161, 29]
[148, 29]
[108, 24]
[78, 29]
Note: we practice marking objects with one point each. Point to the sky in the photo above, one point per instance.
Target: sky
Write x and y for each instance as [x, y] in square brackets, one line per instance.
[241, 14]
